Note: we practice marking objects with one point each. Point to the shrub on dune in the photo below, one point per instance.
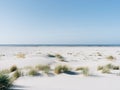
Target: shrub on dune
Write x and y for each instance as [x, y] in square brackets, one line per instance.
[99, 54]
[45, 68]
[5, 82]
[116, 68]
[61, 69]
[111, 58]
[79, 68]
[5, 71]
[85, 70]
[60, 57]
[32, 72]
[99, 68]
[108, 67]
[28, 67]
[105, 70]
[13, 68]
[16, 74]
[50, 55]
[21, 55]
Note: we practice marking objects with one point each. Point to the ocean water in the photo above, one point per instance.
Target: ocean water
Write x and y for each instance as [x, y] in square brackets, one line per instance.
[67, 45]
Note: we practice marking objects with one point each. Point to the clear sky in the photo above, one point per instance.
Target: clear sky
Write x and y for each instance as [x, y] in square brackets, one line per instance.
[59, 21]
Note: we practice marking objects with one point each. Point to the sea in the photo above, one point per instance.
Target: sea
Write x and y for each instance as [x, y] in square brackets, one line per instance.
[60, 45]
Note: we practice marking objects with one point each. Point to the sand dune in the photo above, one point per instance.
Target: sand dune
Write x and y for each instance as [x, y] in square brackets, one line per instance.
[74, 57]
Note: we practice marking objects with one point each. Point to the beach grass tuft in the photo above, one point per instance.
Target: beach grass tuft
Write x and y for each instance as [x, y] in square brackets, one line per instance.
[61, 69]
[13, 68]
[32, 72]
[5, 82]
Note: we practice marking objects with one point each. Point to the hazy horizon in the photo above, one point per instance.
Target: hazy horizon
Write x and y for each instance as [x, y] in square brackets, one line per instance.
[59, 22]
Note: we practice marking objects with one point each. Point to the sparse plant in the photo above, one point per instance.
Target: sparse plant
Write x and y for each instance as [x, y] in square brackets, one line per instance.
[28, 67]
[99, 68]
[85, 71]
[32, 72]
[21, 55]
[105, 70]
[50, 55]
[111, 58]
[16, 75]
[5, 71]
[59, 56]
[58, 69]
[79, 68]
[116, 68]
[99, 54]
[61, 69]
[13, 68]
[5, 82]
[65, 68]
[45, 68]
[110, 66]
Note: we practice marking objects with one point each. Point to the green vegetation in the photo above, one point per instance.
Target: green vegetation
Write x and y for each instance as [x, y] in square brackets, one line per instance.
[5, 82]
[16, 74]
[107, 68]
[45, 68]
[28, 67]
[99, 54]
[99, 68]
[5, 71]
[50, 55]
[32, 72]
[61, 58]
[79, 68]
[111, 58]
[21, 55]
[85, 70]
[61, 69]
[13, 68]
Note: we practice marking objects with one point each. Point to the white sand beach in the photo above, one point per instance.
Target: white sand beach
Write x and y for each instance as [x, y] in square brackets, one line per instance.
[74, 57]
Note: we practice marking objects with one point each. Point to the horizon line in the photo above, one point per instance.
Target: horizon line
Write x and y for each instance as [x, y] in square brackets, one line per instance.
[59, 44]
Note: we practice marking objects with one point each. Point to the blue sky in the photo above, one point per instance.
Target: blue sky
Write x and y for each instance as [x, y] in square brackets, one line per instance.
[59, 21]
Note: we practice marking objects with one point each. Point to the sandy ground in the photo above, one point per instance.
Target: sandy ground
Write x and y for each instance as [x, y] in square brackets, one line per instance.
[91, 57]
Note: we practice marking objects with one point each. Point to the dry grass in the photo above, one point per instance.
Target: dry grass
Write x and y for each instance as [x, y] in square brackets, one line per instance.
[79, 68]
[99, 54]
[99, 68]
[61, 69]
[16, 74]
[28, 67]
[85, 70]
[44, 68]
[60, 57]
[51, 55]
[32, 72]
[111, 58]
[13, 68]
[107, 68]
[5, 71]
[21, 55]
